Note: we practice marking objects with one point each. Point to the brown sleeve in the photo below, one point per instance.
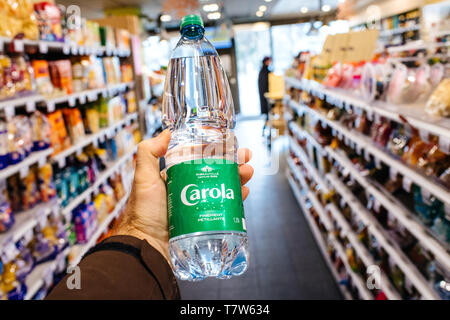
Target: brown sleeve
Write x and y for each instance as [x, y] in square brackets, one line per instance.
[118, 275]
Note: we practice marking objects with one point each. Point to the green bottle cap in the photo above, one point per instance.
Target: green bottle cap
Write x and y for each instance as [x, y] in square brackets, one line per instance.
[191, 19]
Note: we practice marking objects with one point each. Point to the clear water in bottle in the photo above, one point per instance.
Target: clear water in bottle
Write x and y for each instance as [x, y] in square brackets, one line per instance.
[206, 217]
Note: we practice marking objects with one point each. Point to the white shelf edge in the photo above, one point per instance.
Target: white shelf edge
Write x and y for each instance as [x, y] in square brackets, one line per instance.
[83, 248]
[384, 109]
[367, 144]
[115, 166]
[320, 243]
[33, 158]
[394, 251]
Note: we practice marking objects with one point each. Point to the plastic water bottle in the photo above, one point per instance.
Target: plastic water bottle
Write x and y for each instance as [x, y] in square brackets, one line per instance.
[207, 228]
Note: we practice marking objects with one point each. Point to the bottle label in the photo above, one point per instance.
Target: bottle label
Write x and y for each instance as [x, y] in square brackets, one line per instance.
[204, 195]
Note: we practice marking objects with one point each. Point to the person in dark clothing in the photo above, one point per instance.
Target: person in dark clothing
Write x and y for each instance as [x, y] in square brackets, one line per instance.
[263, 86]
[134, 264]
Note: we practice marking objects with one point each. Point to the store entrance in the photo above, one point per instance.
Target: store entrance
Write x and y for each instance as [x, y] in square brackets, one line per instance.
[252, 45]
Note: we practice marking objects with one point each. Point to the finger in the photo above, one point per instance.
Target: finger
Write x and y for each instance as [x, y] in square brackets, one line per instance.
[245, 173]
[244, 155]
[245, 192]
[148, 154]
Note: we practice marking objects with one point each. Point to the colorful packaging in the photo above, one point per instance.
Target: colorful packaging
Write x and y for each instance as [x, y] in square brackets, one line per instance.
[41, 133]
[4, 150]
[61, 75]
[59, 138]
[74, 123]
[42, 75]
[29, 191]
[47, 188]
[49, 21]
[6, 215]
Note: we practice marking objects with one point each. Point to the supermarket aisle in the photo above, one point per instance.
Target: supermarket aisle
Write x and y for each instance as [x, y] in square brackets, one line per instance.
[285, 262]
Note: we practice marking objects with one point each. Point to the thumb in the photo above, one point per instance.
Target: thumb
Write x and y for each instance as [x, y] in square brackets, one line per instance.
[148, 154]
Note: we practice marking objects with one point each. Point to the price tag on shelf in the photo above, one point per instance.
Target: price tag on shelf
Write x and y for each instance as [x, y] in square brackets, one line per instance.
[92, 96]
[376, 205]
[333, 132]
[367, 155]
[28, 236]
[48, 277]
[342, 203]
[82, 99]
[377, 163]
[369, 114]
[348, 108]
[95, 143]
[9, 250]
[393, 173]
[31, 106]
[81, 50]
[50, 106]
[447, 209]
[18, 45]
[79, 150]
[74, 50]
[377, 118]
[104, 93]
[9, 112]
[101, 138]
[128, 121]
[41, 218]
[43, 48]
[72, 101]
[61, 162]
[66, 49]
[61, 262]
[424, 135]
[406, 183]
[444, 144]
[23, 172]
[340, 136]
[359, 149]
[425, 194]
[110, 133]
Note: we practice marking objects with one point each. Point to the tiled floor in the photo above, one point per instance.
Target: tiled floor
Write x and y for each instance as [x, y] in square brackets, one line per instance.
[285, 262]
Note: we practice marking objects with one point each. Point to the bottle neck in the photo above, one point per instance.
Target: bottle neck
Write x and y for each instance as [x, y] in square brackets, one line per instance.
[193, 32]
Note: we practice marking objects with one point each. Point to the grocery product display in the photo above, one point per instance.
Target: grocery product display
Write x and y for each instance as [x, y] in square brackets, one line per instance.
[68, 135]
[369, 161]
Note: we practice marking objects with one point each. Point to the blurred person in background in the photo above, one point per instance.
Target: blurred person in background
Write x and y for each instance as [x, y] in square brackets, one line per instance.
[263, 85]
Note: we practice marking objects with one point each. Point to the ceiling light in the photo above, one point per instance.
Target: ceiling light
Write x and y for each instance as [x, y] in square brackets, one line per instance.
[304, 10]
[211, 7]
[259, 13]
[262, 8]
[214, 15]
[165, 18]
[326, 8]
[268, 0]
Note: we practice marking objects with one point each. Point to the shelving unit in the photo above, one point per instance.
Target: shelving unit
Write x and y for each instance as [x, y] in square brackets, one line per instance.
[362, 144]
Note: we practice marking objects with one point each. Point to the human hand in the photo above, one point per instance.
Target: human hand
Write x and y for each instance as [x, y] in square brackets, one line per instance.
[145, 215]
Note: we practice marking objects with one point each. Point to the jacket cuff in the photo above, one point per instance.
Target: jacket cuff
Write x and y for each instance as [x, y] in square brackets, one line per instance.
[154, 261]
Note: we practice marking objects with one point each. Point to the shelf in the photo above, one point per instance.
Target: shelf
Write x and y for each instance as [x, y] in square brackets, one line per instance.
[404, 218]
[25, 221]
[109, 132]
[391, 32]
[66, 48]
[397, 210]
[417, 45]
[365, 143]
[318, 236]
[362, 252]
[414, 114]
[103, 176]
[81, 249]
[22, 167]
[33, 100]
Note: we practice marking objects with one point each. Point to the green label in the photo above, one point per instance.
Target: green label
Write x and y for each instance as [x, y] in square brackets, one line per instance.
[204, 195]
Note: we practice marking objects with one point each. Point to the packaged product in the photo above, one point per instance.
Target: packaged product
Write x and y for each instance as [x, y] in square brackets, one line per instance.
[116, 109]
[111, 67]
[49, 21]
[92, 36]
[61, 75]
[24, 261]
[29, 190]
[42, 75]
[4, 145]
[59, 138]
[14, 195]
[102, 109]
[17, 17]
[126, 71]
[74, 124]
[101, 206]
[12, 289]
[438, 104]
[6, 215]
[122, 39]
[131, 102]
[22, 74]
[107, 36]
[85, 221]
[7, 89]
[91, 119]
[79, 81]
[62, 188]
[93, 72]
[26, 134]
[47, 188]
[42, 248]
[16, 147]
[41, 132]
